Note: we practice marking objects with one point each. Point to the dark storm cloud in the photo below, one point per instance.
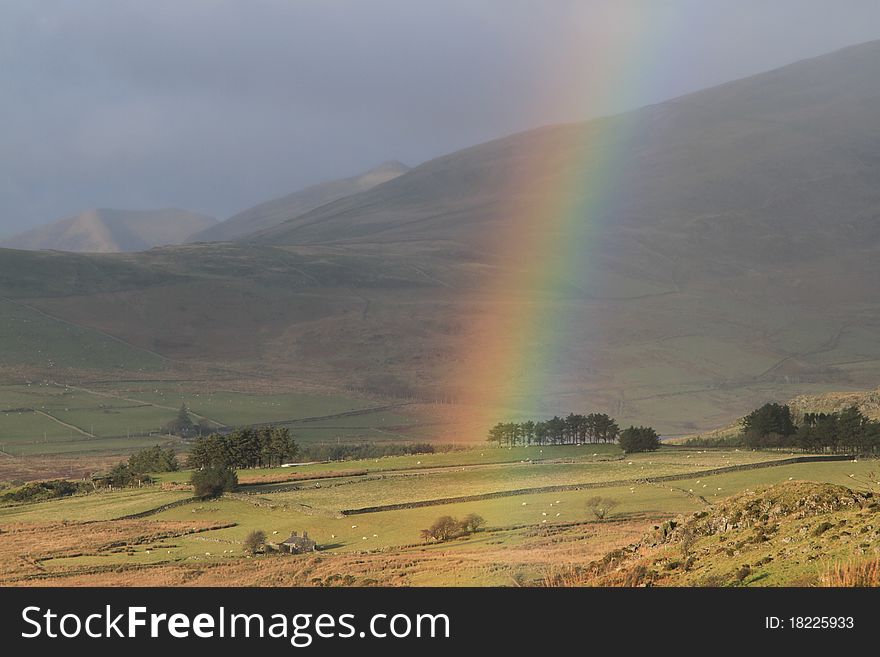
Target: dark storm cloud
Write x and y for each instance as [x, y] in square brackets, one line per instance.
[216, 105]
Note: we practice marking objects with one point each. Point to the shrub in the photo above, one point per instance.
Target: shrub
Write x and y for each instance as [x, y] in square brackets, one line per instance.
[255, 541]
[821, 528]
[213, 482]
[44, 490]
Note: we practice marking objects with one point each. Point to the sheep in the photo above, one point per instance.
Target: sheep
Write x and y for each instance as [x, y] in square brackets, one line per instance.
[558, 514]
[354, 526]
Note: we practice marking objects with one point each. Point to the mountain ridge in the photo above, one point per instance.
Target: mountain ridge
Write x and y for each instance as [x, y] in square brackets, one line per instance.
[269, 213]
[107, 230]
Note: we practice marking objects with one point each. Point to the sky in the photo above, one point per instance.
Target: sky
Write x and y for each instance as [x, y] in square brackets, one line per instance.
[216, 105]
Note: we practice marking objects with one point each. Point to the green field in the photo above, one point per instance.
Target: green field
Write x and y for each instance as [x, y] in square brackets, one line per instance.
[33, 338]
[316, 506]
[43, 418]
[104, 505]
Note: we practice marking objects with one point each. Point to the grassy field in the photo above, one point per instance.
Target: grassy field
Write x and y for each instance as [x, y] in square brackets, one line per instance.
[46, 418]
[527, 536]
[104, 505]
[32, 337]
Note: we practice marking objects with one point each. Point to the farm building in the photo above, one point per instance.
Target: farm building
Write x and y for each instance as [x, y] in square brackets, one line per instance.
[297, 544]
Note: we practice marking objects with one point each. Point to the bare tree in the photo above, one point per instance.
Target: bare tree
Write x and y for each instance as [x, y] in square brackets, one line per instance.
[601, 506]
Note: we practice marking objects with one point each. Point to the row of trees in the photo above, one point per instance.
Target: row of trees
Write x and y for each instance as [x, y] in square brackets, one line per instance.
[136, 470]
[575, 429]
[244, 448]
[847, 431]
[446, 528]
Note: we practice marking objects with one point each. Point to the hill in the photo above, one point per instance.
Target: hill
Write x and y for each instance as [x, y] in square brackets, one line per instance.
[271, 213]
[769, 169]
[112, 231]
[701, 255]
[789, 534]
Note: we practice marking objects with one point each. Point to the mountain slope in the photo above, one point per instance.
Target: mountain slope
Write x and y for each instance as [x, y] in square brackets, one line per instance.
[775, 166]
[271, 213]
[718, 251]
[112, 231]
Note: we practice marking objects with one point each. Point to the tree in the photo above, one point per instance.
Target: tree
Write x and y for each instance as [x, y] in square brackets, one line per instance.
[122, 475]
[443, 529]
[182, 425]
[472, 522]
[556, 430]
[280, 445]
[639, 439]
[602, 427]
[601, 506]
[213, 481]
[255, 541]
[770, 425]
[496, 434]
[528, 432]
[154, 459]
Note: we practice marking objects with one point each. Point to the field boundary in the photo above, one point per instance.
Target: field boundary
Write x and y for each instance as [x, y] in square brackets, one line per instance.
[158, 509]
[593, 484]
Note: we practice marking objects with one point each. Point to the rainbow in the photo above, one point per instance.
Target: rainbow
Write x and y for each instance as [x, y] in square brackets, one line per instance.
[512, 354]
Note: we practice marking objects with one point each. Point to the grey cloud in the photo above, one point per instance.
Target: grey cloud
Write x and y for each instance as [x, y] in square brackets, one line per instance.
[217, 105]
